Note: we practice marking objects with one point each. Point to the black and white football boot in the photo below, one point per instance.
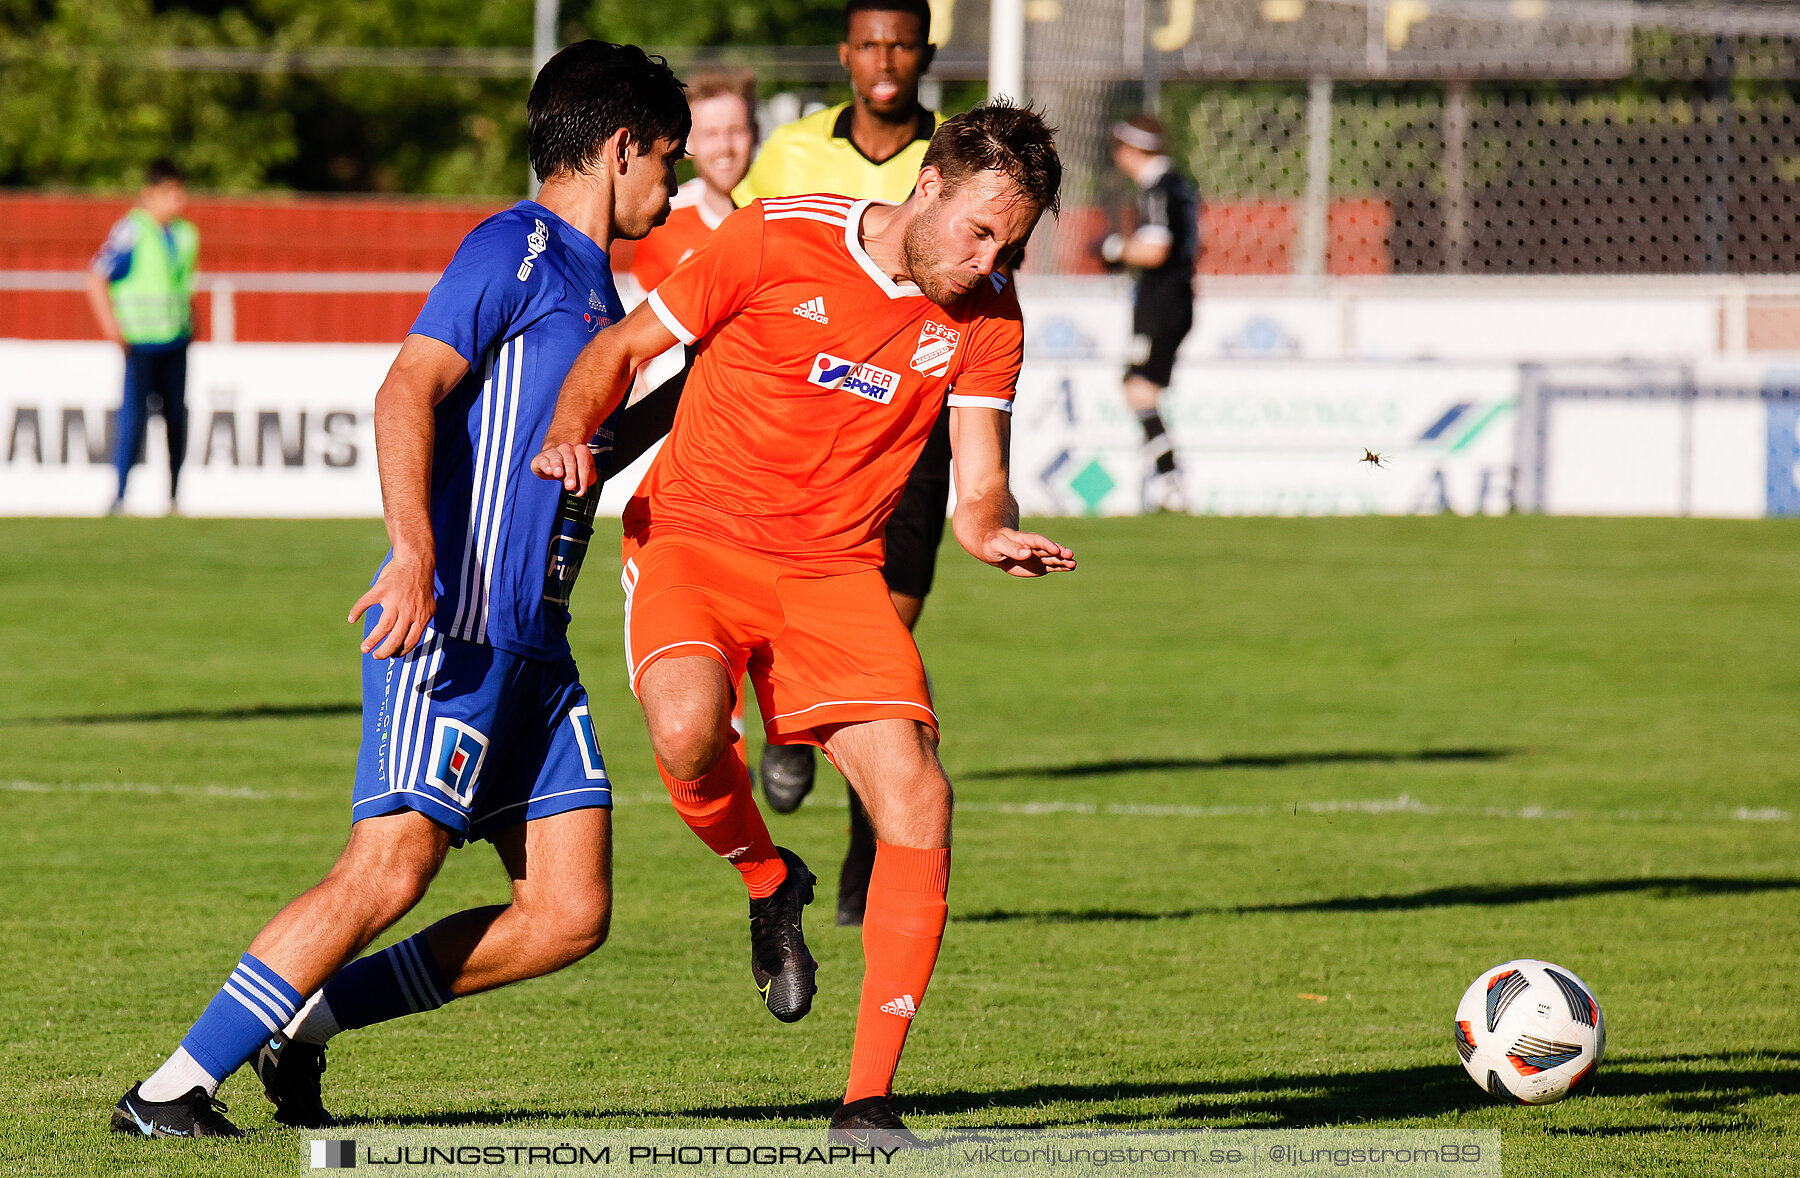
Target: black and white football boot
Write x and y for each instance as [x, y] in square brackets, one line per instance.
[290, 1071]
[194, 1114]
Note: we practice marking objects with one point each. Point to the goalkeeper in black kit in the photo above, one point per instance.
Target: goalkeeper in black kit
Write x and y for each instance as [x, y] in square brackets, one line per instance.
[1161, 250]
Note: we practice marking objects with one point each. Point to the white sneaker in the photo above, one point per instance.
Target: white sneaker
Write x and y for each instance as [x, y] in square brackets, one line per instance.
[1163, 492]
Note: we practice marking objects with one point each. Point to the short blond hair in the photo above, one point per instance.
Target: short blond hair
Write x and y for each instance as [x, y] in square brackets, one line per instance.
[710, 81]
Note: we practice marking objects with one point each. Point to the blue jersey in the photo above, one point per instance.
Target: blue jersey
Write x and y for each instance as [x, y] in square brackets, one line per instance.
[113, 261]
[524, 293]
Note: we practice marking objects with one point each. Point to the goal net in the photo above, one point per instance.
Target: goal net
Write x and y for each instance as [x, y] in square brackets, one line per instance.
[1345, 137]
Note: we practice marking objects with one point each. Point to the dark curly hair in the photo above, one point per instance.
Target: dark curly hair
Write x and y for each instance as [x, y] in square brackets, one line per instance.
[590, 90]
[918, 8]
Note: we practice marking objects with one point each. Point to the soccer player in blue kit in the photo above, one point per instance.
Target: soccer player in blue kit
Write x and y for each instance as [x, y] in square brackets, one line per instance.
[475, 723]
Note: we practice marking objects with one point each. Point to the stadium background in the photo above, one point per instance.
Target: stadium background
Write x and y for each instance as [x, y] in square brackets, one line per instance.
[1539, 255]
[1279, 789]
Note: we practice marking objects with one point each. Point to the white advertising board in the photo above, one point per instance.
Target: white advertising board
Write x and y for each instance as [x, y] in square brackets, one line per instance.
[1716, 439]
[273, 430]
[286, 430]
[1272, 438]
[1227, 327]
[1362, 321]
[1612, 326]
[1270, 392]
[1256, 437]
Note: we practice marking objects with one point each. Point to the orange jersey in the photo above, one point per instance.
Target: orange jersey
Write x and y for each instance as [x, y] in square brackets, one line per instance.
[816, 384]
[690, 223]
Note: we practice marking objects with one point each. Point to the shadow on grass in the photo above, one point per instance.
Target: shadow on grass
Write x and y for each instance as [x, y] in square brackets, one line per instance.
[254, 712]
[1245, 761]
[1685, 1087]
[1467, 896]
[1709, 1084]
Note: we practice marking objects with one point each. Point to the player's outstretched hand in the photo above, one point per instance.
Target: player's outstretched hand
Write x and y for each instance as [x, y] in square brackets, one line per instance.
[574, 465]
[1025, 554]
[408, 602]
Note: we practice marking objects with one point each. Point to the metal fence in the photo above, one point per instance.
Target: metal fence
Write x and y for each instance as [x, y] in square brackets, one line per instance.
[1359, 137]
[1443, 136]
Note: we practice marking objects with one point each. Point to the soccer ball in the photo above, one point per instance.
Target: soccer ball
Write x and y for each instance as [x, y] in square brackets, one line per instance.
[1529, 1031]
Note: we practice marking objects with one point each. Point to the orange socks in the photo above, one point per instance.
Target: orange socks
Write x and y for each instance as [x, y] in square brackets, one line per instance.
[902, 929]
[720, 809]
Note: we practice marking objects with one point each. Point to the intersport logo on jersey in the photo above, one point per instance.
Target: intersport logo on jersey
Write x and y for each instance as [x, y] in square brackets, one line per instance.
[865, 380]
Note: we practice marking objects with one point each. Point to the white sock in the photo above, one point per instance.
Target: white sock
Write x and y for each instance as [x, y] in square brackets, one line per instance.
[315, 1023]
[176, 1078]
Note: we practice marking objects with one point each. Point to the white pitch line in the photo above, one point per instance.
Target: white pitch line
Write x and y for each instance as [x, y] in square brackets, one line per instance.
[179, 791]
[1400, 805]
[1404, 804]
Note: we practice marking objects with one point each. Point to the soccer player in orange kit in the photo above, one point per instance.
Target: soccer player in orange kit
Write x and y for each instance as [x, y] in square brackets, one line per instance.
[830, 334]
[720, 146]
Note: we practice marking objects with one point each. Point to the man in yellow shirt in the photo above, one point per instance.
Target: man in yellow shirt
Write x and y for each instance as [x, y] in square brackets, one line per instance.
[869, 147]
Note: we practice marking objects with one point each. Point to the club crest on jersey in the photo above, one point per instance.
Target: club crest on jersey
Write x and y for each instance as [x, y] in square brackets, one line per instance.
[457, 751]
[865, 380]
[937, 344]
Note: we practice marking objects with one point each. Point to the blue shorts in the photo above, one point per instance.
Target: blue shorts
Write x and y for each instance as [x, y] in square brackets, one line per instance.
[476, 739]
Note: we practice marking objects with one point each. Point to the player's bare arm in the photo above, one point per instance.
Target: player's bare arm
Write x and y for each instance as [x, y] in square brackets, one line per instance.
[100, 303]
[422, 375]
[598, 381]
[986, 520]
[1147, 248]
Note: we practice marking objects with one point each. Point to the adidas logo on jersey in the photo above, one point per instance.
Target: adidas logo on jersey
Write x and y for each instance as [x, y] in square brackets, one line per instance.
[904, 1006]
[814, 309]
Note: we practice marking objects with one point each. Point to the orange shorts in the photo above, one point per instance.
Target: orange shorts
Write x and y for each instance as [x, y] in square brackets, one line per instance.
[821, 649]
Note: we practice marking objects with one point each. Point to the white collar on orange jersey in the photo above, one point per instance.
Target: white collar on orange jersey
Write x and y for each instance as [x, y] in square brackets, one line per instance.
[693, 195]
[853, 240]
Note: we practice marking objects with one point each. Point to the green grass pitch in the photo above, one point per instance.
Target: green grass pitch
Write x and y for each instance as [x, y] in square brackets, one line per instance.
[1226, 765]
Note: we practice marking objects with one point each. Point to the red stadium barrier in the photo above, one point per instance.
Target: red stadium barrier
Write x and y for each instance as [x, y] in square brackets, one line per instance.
[245, 235]
[1263, 237]
[367, 235]
[1251, 237]
[274, 233]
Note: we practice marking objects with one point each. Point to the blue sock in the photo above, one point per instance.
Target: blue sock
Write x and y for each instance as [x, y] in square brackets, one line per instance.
[254, 1004]
[401, 979]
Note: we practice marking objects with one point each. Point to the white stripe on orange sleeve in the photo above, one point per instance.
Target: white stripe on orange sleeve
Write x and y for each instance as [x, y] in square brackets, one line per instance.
[817, 198]
[967, 401]
[824, 218]
[675, 326]
[817, 206]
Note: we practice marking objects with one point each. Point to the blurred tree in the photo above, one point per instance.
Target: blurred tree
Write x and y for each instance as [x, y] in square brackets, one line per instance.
[77, 109]
[372, 130]
[85, 100]
[695, 22]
